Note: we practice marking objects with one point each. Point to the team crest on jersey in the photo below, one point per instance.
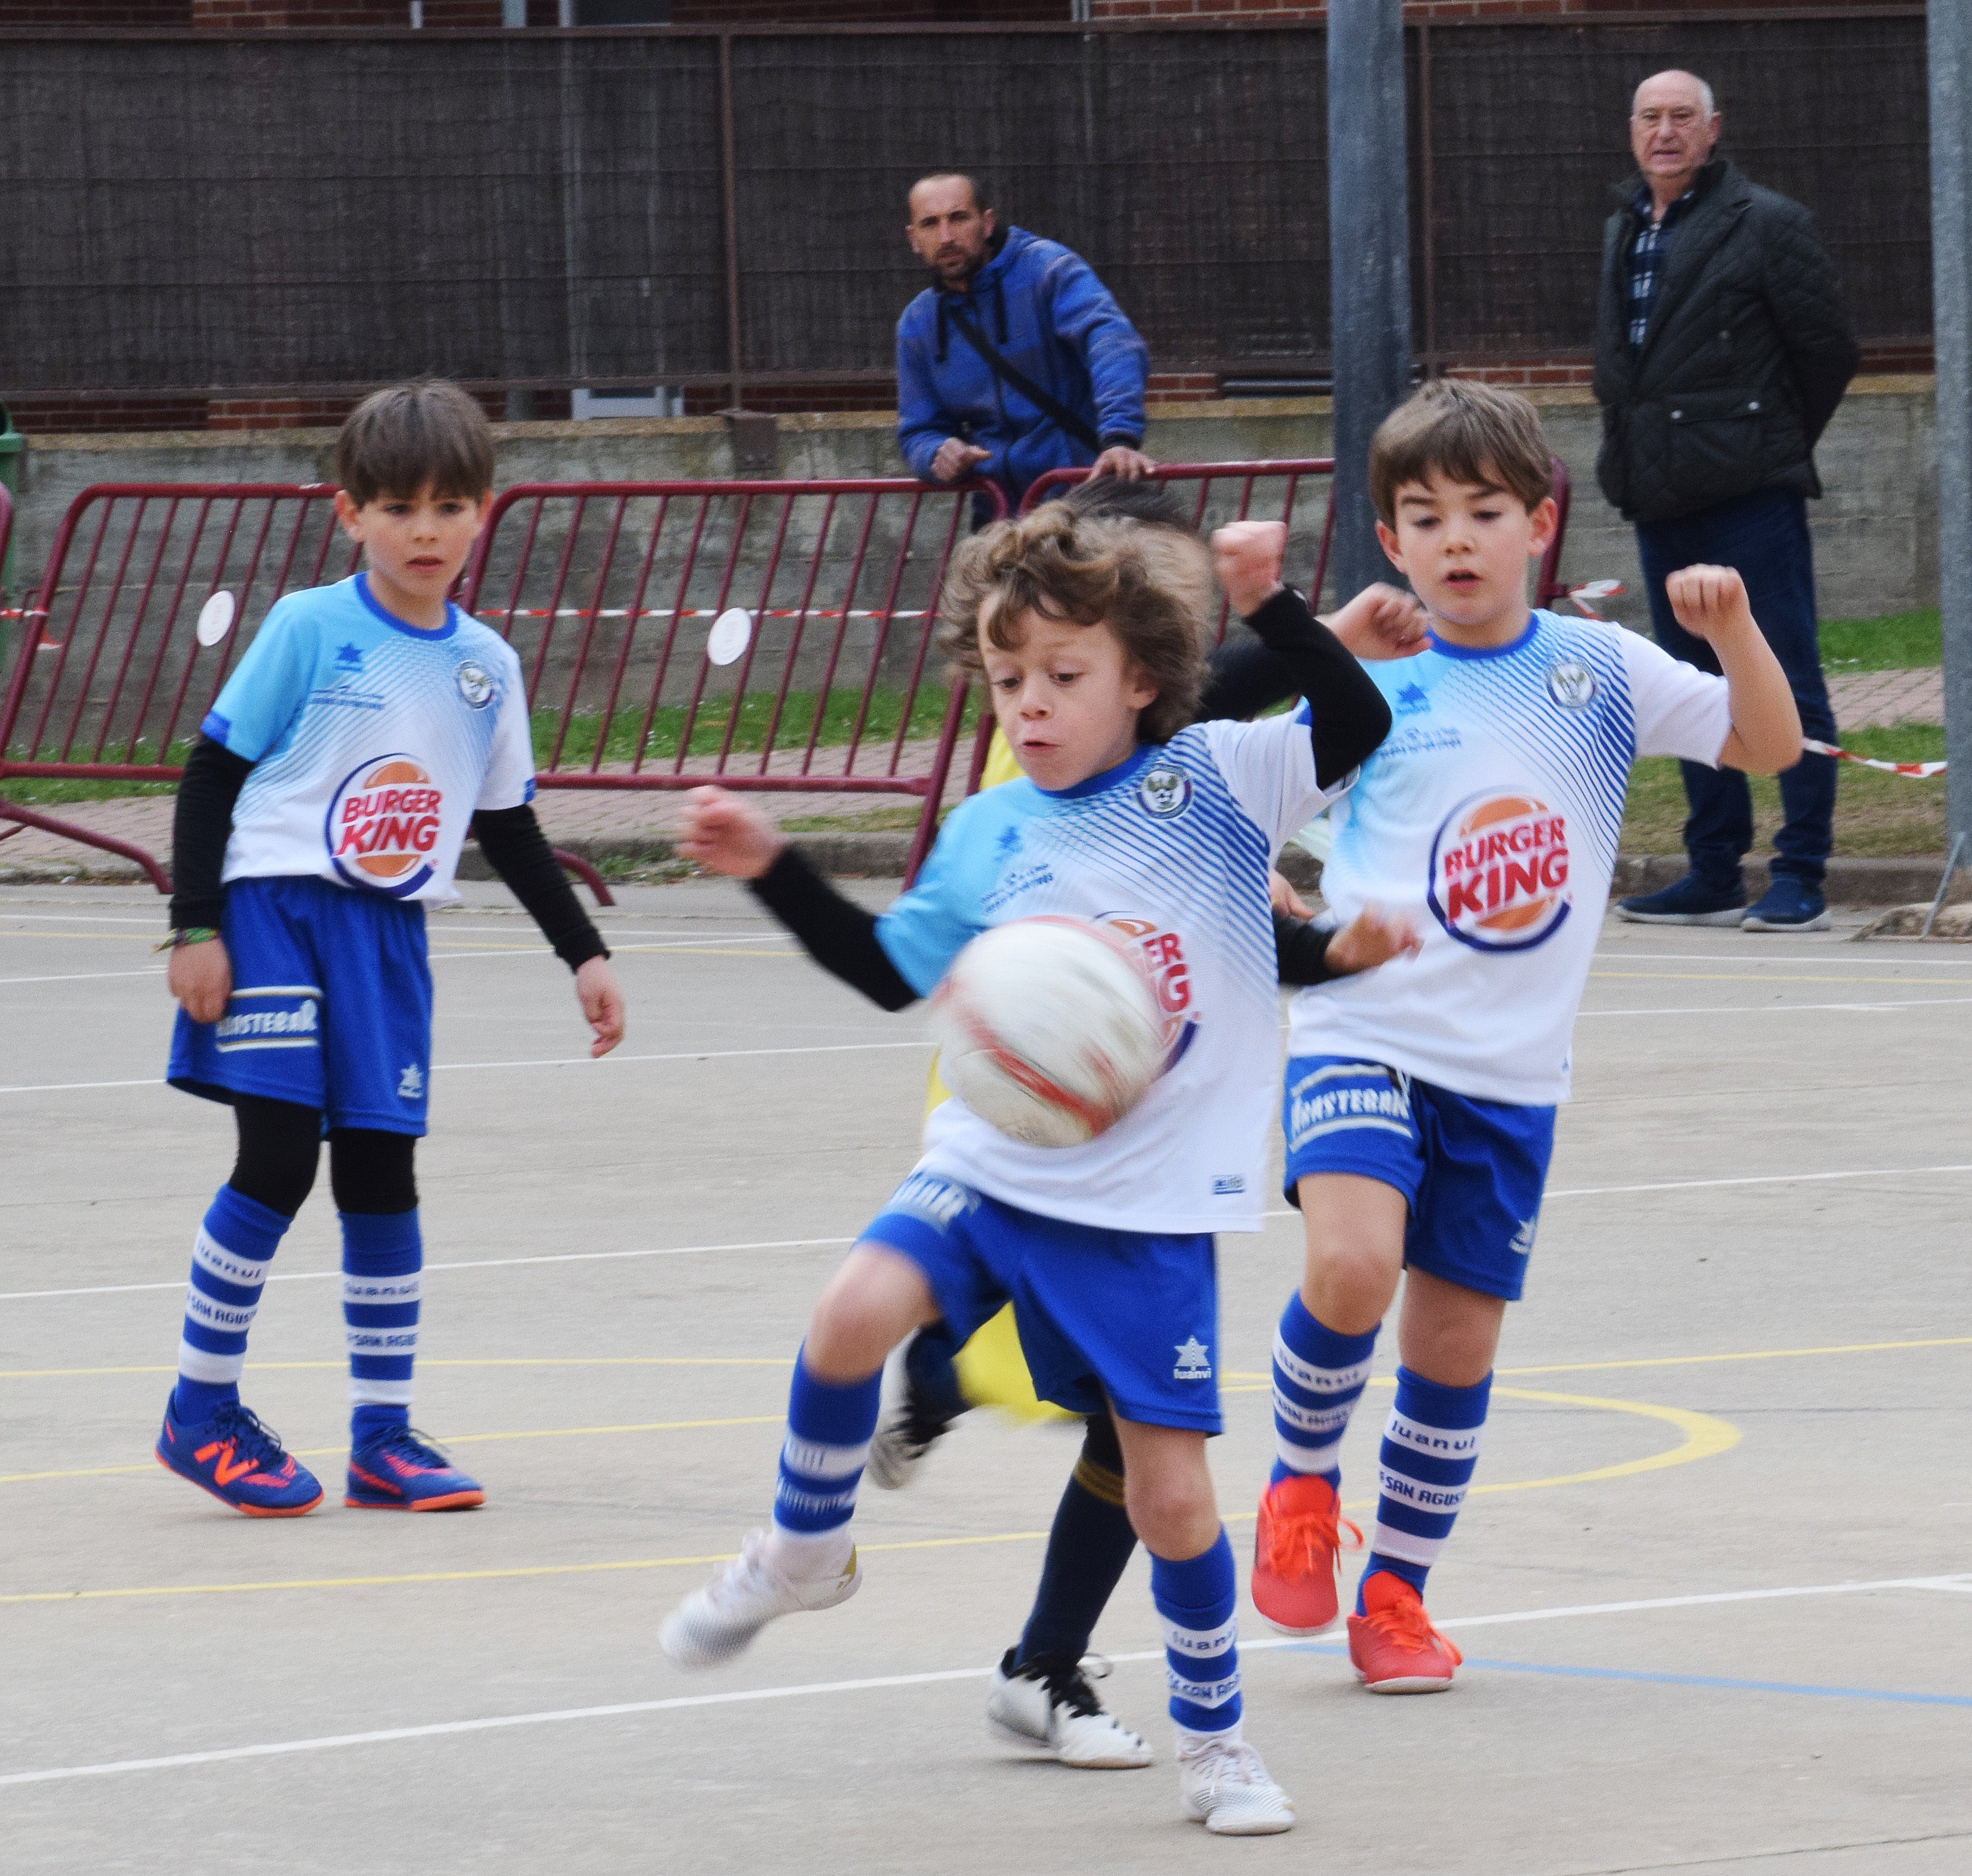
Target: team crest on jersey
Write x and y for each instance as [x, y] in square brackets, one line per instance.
[1161, 954]
[475, 684]
[1571, 684]
[1165, 790]
[382, 824]
[1499, 873]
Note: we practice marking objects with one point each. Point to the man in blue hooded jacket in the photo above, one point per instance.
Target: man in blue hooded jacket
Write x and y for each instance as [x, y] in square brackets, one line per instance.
[1016, 360]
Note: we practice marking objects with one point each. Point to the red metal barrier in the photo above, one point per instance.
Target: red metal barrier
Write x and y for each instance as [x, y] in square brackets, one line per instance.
[607, 591]
[610, 592]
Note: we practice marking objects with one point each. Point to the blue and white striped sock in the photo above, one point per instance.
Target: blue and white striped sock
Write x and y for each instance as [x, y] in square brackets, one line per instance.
[1430, 1447]
[828, 1439]
[1198, 1603]
[1318, 1378]
[235, 1244]
[382, 1255]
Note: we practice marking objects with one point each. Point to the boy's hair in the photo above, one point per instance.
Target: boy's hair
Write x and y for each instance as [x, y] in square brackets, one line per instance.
[1467, 432]
[1151, 585]
[401, 441]
[1149, 504]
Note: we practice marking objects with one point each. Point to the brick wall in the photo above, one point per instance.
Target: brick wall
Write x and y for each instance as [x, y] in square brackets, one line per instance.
[1276, 10]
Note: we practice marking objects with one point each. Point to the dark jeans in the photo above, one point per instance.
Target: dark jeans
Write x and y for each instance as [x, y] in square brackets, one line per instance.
[1764, 536]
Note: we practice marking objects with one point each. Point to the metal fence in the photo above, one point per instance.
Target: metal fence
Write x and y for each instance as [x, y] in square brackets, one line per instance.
[201, 213]
[777, 637]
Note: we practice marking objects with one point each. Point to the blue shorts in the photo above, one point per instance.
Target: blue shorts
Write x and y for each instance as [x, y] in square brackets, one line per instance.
[1121, 1318]
[331, 1006]
[1471, 1171]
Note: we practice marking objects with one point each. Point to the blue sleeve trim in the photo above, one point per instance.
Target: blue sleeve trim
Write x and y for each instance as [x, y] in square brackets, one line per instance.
[217, 727]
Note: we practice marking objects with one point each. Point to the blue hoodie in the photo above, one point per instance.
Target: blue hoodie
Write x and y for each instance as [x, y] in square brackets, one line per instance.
[1042, 307]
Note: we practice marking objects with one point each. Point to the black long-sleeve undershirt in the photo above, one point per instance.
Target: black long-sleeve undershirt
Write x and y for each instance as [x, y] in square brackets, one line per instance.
[1349, 717]
[516, 849]
[840, 936]
[511, 838]
[201, 824]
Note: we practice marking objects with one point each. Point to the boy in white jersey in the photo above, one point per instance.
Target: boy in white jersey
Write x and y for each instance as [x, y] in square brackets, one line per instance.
[1090, 634]
[1420, 1100]
[322, 808]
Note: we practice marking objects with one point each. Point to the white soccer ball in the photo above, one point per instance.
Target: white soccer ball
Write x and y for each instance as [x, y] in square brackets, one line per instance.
[1048, 1029]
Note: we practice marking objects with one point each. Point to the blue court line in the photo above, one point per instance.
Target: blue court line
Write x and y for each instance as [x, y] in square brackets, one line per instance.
[1692, 1680]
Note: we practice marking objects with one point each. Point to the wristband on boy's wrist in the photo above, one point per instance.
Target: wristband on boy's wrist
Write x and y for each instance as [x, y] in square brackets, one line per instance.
[187, 935]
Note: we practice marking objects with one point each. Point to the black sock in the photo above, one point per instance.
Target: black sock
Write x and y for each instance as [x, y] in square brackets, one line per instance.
[1087, 1551]
[934, 1381]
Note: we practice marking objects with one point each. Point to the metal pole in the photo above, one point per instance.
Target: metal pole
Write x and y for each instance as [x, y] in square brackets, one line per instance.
[730, 206]
[1949, 28]
[1369, 249]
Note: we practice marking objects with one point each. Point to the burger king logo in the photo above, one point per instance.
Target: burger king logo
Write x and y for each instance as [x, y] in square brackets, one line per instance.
[1160, 955]
[1499, 873]
[382, 824]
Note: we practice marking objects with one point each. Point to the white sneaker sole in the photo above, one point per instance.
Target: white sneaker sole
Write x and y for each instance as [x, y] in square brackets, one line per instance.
[1408, 1684]
[1820, 922]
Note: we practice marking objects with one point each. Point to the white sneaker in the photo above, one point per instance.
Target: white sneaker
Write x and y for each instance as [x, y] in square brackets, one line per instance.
[714, 1623]
[1049, 1706]
[1225, 1788]
[907, 1428]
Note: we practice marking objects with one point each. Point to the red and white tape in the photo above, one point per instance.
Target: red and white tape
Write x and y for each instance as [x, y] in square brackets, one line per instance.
[1919, 769]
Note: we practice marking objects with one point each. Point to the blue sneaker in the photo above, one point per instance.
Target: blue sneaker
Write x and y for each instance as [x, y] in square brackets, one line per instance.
[240, 1462]
[401, 1470]
[1690, 902]
[1788, 904]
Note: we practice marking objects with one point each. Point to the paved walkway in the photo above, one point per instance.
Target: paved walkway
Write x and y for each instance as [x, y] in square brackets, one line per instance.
[1862, 700]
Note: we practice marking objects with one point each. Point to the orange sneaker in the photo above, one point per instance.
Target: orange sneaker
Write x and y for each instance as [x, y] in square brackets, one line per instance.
[1394, 1647]
[1297, 1554]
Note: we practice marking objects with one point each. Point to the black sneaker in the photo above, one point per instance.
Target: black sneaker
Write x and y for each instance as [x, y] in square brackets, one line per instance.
[1690, 902]
[1047, 1705]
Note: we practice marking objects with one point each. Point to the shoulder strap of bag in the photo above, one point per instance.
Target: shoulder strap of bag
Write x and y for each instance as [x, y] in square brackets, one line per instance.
[1020, 381]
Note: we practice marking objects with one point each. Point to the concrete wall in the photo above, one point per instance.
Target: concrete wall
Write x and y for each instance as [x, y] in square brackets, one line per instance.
[1875, 534]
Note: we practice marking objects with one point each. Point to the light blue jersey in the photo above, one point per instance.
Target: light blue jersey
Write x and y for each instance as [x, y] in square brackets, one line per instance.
[1491, 813]
[373, 743]
[1170, 848]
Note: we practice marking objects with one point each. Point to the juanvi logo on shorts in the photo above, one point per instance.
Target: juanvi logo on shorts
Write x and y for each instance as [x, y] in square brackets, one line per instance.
[1499, 873]
[382, 824]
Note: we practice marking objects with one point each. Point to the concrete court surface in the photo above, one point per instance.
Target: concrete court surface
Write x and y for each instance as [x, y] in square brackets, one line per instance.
[1715, 1588]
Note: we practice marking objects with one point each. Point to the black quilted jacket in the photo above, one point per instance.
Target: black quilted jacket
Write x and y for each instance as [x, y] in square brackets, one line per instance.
[1746, 356]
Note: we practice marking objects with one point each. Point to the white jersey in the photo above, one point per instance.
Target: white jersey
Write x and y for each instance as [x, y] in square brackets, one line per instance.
[373, 743]
[1491, 813]
[1170, 848]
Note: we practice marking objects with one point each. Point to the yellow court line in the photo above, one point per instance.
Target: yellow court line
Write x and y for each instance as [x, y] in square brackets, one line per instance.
[1704, 1437]
[451, 1439]
[1755, 1354]
[518, 1360]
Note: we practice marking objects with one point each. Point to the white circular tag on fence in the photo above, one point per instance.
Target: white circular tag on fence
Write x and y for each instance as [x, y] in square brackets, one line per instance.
[731, 632]
[215, 618]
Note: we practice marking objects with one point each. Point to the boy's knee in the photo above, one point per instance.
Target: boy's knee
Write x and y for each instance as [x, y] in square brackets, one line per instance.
[1176, 1517]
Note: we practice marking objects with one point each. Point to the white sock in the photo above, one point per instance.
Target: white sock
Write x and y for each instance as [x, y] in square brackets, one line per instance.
[802, 1556]
[1191, 1745]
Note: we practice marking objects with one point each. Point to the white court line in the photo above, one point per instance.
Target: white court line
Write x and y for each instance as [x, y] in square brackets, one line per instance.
[630, 1708]
[543, 1061]
[1872, 960]
[799, 1244]
[77, 977]
[1763, 1178]
[1774, 1009]
[470, 1263]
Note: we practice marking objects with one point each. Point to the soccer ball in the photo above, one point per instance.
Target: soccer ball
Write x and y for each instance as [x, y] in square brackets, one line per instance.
[1048, 1029]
